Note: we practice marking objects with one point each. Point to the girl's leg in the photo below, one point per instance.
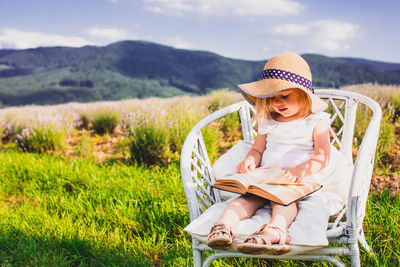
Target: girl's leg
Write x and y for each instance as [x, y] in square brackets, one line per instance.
[241, 208]
[282, 217]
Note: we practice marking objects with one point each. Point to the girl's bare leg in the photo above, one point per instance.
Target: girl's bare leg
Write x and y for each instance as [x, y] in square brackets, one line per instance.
[241, 208]
[282, 216]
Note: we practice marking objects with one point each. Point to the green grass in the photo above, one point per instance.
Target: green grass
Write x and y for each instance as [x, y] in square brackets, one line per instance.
[104, 121]
[55, 212]
[382, 227]
[40, 139]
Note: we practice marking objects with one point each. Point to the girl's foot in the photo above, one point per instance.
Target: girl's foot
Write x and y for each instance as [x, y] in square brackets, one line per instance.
[220, 237]
[270, 239]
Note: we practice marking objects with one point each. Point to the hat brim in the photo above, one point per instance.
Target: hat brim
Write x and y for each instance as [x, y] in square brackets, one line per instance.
[267, 87]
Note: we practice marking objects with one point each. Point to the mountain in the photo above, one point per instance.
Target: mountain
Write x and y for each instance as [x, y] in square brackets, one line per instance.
[336, 72]
[374, 64]
[130, 69]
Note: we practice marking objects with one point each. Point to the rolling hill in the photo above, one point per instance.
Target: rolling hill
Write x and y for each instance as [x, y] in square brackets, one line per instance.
[138, 69]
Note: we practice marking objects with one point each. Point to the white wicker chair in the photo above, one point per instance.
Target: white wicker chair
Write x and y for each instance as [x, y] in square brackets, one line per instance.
[197, 177]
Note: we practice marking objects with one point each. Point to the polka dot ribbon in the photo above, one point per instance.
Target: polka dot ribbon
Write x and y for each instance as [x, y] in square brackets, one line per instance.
[288, 76]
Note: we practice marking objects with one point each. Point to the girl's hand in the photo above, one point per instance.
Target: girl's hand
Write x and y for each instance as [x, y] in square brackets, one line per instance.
[292, 176]
[246, 166]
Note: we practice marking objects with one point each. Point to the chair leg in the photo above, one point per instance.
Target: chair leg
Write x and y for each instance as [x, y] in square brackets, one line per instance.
[355, 255]
[198, 256]
[367, 248]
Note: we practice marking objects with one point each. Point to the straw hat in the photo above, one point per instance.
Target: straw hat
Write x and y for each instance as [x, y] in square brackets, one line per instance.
[282, 72]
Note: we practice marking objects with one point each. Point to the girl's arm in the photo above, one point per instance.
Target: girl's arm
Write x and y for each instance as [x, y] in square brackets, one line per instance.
[319, 160]
[253, 158]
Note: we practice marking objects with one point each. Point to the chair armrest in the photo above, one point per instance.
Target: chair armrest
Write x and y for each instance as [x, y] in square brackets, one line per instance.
[363, 166]
[195, 161]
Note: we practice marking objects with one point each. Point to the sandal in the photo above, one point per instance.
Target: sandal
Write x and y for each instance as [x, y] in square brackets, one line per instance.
[265, 246]
[220, 241]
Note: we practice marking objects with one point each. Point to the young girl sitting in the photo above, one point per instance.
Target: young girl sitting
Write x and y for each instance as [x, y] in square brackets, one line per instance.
[293, 132]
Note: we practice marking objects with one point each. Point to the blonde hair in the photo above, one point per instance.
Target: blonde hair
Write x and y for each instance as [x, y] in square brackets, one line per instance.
[265, 111]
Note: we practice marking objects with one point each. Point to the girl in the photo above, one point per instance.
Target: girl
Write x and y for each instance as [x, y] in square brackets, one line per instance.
[293, 133]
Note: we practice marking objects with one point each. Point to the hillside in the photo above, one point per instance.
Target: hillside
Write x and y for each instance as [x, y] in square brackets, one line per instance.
[137, 69]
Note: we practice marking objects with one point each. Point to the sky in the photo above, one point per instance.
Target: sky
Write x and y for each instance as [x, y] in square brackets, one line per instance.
[241, 29]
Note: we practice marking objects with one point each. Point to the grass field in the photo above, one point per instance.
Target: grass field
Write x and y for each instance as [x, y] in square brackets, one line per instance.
[60, 208]
[69, 213]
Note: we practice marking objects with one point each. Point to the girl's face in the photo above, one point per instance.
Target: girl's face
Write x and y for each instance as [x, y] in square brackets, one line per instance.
[286, 103]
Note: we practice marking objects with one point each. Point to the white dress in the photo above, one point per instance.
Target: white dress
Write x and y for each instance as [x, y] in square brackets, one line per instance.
[288, 144]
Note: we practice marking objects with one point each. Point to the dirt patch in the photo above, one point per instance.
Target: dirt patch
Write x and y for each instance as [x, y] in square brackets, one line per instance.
[382, 182]
[102, 148]
[391, 180]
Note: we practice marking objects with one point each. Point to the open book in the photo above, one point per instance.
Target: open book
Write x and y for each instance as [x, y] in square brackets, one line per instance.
[269, 183]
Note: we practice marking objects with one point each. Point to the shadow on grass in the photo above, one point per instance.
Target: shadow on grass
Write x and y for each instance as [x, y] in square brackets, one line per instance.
[19, 249]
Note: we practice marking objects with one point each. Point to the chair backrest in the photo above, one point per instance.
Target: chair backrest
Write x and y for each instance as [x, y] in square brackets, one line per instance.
[197, 175]
[343, 106]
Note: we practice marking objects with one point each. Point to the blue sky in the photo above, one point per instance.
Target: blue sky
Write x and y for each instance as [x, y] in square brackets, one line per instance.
[244, 29]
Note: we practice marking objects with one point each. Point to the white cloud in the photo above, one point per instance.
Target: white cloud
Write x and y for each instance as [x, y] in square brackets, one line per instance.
[16, 39]
[266, 49]
[177, 42]
[292, 30]
[328, 35]
[226, 7]
[110, 34]
[155, 9]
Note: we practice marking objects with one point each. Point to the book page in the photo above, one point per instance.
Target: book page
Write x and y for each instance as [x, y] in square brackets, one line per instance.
[272, 175]
[243, 179]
